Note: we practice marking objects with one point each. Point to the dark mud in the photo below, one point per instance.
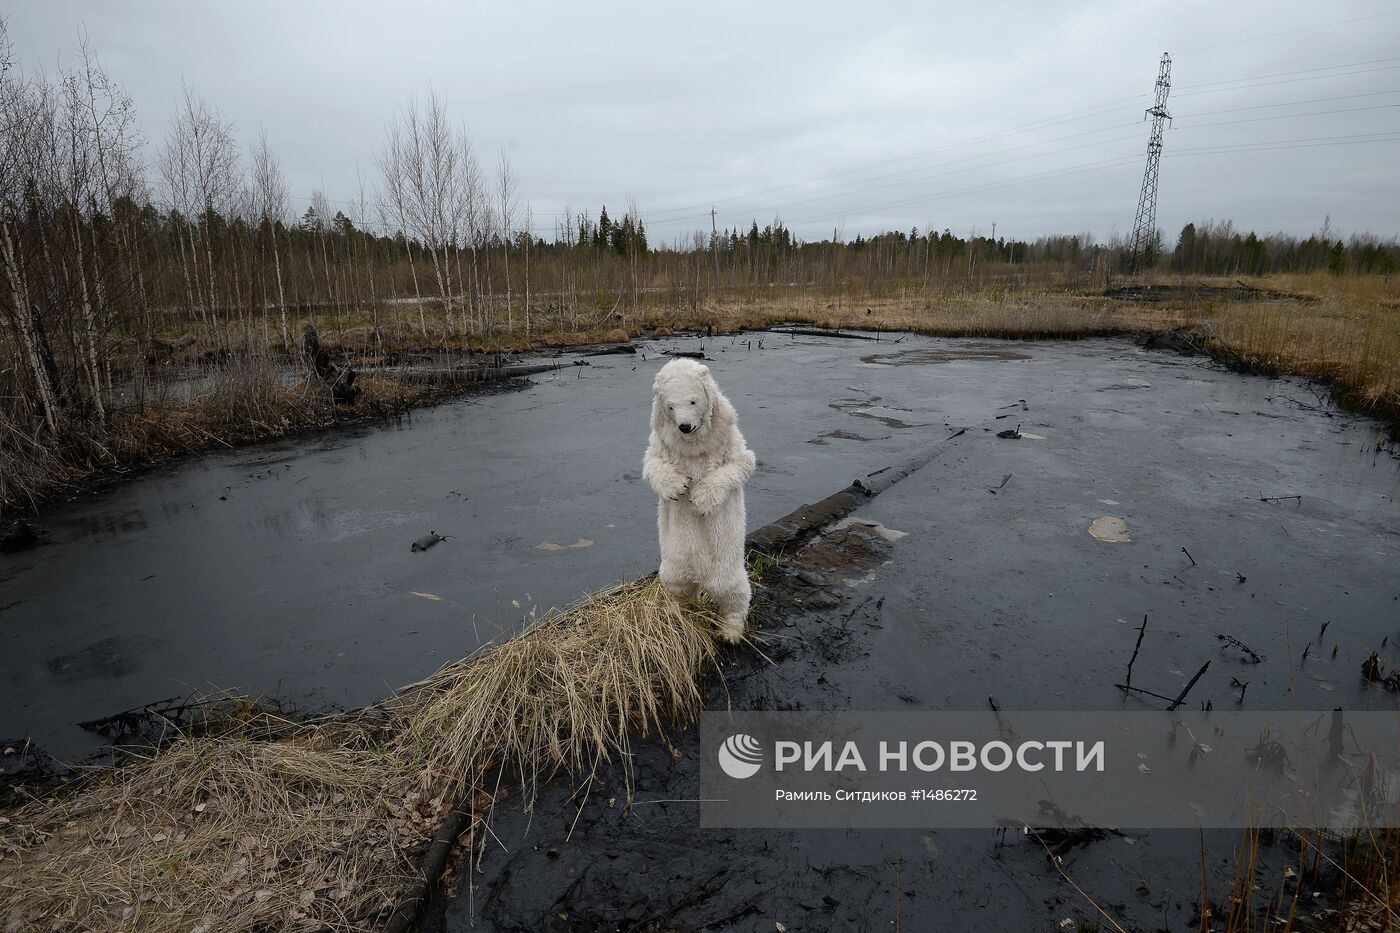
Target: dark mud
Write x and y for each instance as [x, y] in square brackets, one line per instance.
[286, 569]
[1005, 599]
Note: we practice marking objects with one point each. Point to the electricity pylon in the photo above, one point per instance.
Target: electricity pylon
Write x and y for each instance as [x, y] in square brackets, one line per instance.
[1145, 223]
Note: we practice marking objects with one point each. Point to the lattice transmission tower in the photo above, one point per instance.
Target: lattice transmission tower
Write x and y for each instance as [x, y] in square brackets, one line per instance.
[1145, 223]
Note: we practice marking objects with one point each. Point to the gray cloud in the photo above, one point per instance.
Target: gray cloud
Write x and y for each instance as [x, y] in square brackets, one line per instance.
[832, 115]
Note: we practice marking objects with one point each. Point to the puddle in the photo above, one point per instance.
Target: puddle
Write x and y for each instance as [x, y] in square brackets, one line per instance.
[874, 527]
[1110, 528]
[578, 545]
[845, 436]
[887, 415]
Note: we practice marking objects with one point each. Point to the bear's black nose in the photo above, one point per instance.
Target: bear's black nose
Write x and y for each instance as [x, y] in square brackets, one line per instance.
[685, 428]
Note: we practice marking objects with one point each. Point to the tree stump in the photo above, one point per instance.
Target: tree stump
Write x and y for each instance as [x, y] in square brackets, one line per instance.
[340, 380]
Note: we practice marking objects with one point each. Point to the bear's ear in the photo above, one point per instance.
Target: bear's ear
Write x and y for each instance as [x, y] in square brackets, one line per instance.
[703, 370]
[657, 383]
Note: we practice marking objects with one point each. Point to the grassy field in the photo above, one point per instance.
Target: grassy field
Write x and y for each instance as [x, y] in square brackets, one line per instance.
[1342, 331]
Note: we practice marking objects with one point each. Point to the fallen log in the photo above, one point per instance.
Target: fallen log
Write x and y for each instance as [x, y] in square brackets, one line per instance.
[818, 332]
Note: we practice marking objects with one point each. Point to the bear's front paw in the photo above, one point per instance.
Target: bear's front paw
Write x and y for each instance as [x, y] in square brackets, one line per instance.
[706, 498]
[674, 486]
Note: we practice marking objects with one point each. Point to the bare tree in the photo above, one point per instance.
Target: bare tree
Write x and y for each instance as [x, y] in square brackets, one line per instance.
[18, 112]
[421, 166]
[506, 184]
[199, 165]
[270, 212]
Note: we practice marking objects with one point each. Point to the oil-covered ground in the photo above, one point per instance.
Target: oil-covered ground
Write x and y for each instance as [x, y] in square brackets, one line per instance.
[1029, 590]
[286, 570]
[1141, 483]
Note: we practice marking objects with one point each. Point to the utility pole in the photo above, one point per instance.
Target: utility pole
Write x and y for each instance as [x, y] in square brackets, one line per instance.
[1145, 223]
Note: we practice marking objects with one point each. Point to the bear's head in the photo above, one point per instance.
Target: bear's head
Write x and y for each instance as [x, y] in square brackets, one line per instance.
[687, 408]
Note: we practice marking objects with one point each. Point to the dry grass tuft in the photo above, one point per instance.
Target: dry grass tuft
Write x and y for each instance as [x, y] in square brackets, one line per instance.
[567, 694]
[321, 829]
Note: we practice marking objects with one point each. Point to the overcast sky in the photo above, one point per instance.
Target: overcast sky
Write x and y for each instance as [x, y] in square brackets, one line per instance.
[858, 116]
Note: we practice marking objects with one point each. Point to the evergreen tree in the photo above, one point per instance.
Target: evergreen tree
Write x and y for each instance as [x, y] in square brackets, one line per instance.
[603, 235]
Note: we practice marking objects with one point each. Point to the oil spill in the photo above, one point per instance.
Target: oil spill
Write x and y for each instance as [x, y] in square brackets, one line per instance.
[972, 351]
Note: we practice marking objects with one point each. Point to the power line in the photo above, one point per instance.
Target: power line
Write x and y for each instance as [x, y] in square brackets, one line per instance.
[1287, 116]
[1279, 145]
[1043, 123]
[1293, 103]
[1006, 183]
[1300, 71]
[824, 197]
[1292, 32]
[1097, 166]
[980, 158]
[1312, 74]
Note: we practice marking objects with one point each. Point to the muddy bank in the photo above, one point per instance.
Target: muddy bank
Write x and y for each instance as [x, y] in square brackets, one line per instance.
[1194, 293]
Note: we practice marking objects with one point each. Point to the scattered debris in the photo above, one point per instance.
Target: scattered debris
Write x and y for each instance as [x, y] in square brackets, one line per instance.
[995, 489]
[1011, 433]
[1189, 557]
[1372, 668]
[688, 354]
[1127, 685]
[1298, 498]
[24, 767]
[427, 541]
[1187, 689]
[1233, 642]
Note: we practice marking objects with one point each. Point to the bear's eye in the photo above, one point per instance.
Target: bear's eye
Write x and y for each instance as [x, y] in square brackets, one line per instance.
[670, 408]
[692, 403]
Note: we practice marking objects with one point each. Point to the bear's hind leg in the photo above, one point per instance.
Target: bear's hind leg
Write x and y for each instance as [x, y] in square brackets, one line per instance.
[677, 584]
[733, 602]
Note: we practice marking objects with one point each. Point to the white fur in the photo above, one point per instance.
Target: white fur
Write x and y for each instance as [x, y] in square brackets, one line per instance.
[700, 478]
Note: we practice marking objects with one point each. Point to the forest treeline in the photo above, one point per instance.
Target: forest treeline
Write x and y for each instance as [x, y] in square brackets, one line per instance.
[117, 252]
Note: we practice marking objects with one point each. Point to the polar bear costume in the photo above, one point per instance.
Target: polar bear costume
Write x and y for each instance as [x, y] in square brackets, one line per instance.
[698, 463]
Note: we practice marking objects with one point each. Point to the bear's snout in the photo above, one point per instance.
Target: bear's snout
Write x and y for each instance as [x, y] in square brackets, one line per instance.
[686, 427]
